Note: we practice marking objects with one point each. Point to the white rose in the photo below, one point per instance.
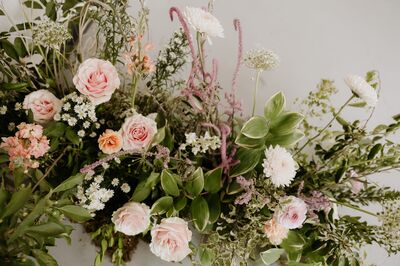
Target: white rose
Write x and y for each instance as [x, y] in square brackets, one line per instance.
[131, 219]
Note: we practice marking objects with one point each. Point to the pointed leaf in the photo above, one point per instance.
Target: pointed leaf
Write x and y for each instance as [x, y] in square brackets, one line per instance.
[274, 106]
[70, 183]
[255, 128]
[76, 213]
[200, 213]
[212, 180]
[162, 205]
[248, 160]
[271, 255]
[17, 201]
[168, 183]
[196, 183]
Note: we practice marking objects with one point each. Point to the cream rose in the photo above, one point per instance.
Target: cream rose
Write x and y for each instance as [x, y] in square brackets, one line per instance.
[97, 79]
[170, 239]
[137, 132]
[44, 105]
[131, 219]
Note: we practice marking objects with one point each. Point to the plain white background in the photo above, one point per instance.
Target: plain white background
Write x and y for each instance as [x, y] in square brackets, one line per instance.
[315, 39]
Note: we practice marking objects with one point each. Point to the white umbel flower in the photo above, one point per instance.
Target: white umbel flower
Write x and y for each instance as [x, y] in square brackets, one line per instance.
[204, 22]
[279, 165]
[362, 89]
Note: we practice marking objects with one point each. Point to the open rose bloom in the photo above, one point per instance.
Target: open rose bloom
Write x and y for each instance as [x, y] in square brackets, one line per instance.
[110, 142]
[131, 219]
[43, 104]
[97, 79]
[292, 212]
[170, 239]
[137, 132]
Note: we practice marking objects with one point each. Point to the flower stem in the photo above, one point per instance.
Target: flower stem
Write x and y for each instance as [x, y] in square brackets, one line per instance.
[134, 89]
[355, 208]
[328, 125]
[255, 92]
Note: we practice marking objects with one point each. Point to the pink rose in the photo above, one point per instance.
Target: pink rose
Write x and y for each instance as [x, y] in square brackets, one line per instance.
[170, 239]
[137, 132]
[97, 79]
[131, 219]
[292, 212]
[44, 105]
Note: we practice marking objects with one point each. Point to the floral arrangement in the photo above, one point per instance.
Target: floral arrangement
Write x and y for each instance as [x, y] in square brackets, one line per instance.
[95, 130]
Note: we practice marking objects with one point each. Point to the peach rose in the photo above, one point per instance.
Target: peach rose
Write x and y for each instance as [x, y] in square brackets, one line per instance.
[97, 79]
[131, 219]
[137, 132]
[44, 105]
[275, 232]
[170, 239]
[110, 141]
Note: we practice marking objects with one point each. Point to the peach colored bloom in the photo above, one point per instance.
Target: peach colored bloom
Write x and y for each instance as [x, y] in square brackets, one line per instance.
[137, 132]
[275, 232]
[110, 142]
[44, 105]
[170, 239]
[131, 219]
[97, 79]
[28, 131]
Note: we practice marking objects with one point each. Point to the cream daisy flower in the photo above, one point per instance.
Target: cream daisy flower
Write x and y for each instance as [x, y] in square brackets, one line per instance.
[360, 87]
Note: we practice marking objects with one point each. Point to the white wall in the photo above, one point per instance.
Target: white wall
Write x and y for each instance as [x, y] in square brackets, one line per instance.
[315, 39]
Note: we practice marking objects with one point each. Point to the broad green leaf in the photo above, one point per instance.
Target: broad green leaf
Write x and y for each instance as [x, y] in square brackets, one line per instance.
[285, 140]
[212, 180]
[249, 143]
[142, 191]
[55, 129]
[9, 49]
[2, 12]
[233, 188]
[70, 183]
[47, 229]
[51, 10]
[152, 180]
[293, 244]
[168, 183]
[162, 205]
[72, 136]
[76, 213]
[255, 128]
[274, 106]
[17, 201]
[214, 205]
[374, 151]
[207, 256]
[180, 204]
[43, 258]
[286, 123]
[271, 255]
[196, 183]
[248, 159]
[20, 47]
[200, 213]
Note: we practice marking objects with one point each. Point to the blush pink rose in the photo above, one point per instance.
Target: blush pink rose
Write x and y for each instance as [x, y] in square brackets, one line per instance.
[292, 212]
[137, 132]
[170, 239]
[44, 105]
[131, 219]
[97, 79]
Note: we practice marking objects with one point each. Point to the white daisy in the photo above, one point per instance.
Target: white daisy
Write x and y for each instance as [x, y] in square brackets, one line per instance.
[204, 22]
[115, 182]
[360, 87]
[125, 188]
[279, 165]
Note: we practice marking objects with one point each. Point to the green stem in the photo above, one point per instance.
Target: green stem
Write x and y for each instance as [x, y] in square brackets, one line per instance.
[255, 92]
[355, 208]
[134, 89]
[200, 48]
[328, 125]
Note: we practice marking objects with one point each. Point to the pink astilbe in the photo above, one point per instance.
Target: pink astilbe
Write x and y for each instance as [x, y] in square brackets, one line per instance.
[317, 202]
[248, 186]
[27, 143]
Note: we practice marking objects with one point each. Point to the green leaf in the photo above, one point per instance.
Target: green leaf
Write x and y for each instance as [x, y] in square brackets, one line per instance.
[249, 143]
[248, 160]
[293, 244]
[396, 117]
[43, 258]
[33, 4]
[214, 205]
[374, 151]
[76, 213]
[55, 129]
[196, 183]
[233, 188]
[212, 180]
[51, 10]
[20, 47]
[70, 183]
[17, 201]
[159, 137]
[9, 49]
[168, 183]
[286, 123]
[207, 256]
[271, 255]
[3, 196]
[162, 205]
[255, 128]
[200, 213]
[285, 140]
[153, 180]
[358, 104]
[341, 171]
[4, 158]
[72, 136]
[274, 106]
[19, 87]
[180, 204]
[48, 229]
[142, 191]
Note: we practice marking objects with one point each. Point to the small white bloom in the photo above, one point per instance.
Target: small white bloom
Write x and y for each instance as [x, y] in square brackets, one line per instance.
[57, 117]
[125, 188]
[115, 182]
[191, 138]
[3, 110]
[81, 133]
[279, 165]
[86, 124]
[72, 121]
[204, 22]
[98, 179]
[93, 134]
[18, 106]
[360, 87]
[11, 126]
[66, 106]
[117, 160]
[105, 166]
[261, 59]
[97, 125]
